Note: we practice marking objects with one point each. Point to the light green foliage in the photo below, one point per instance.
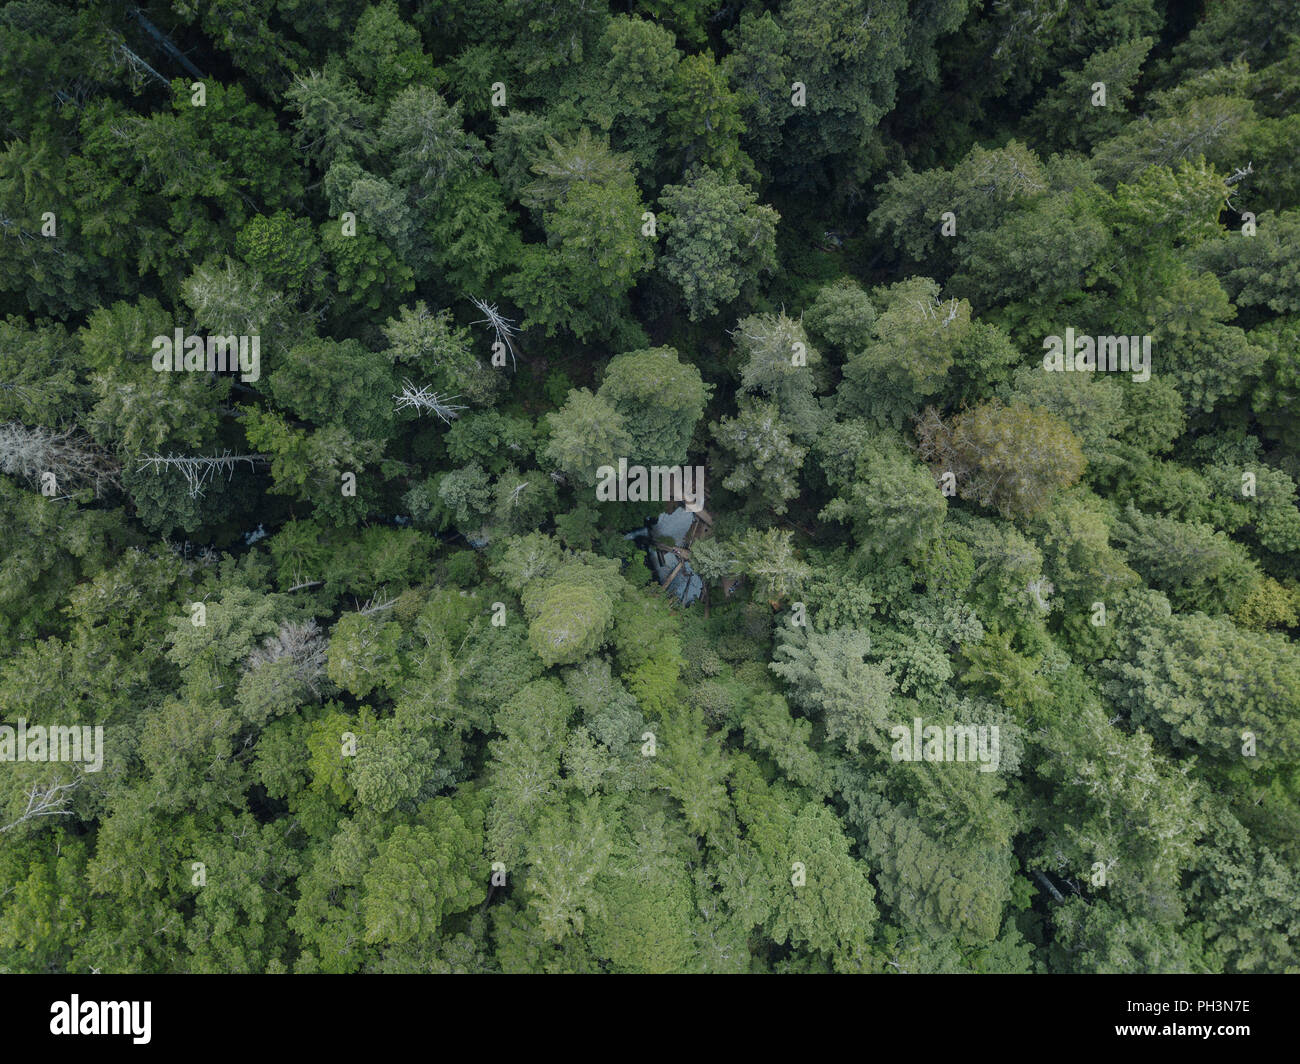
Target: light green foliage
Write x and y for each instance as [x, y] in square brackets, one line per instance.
[719, 240]
[424, 143]
[1012, 457]
[704, 116]
[828, 676]
[433, 346]
[630, 93]
[234, 624]
[781, 363]
[284, 250]
[842, 315]
[587, 433]
[1192, 563]
[362, 652]
[333, 117]
[232, 298]
[1250, 926]
[980, 191]
[647, 929]
[769, 558]
[567, 853]
[424, 873]
[391, 767]
[571, 608]
[310, 465]
[945, 886]
[770, 728]
[494, 439]
[591, 210]
[835, 910]
[1201, 682]
[765, 461]
[890, 499]
[412, 694]
[336, 383]
[915, 337]
[385, 52]
[660, 398]
[1259, 271]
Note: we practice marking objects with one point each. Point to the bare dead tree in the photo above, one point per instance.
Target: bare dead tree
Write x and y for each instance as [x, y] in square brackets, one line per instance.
[516, 492]
[372, 606]
[138, 66]
[503, 327]
[930, 311]
[300, 644]
[424, 398]
[46, 800]
[1238, 174]
[166, 43]
[198, 471]
[70, 455]
[1051, 887]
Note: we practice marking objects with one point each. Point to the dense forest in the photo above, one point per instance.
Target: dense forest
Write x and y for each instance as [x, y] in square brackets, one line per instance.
[666, 486]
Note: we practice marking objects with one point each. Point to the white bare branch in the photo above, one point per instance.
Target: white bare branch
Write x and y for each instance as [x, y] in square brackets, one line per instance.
[200, 469]
[71, 456]
[424, 398]
[300, 644]
[46, 800]
[503, 327]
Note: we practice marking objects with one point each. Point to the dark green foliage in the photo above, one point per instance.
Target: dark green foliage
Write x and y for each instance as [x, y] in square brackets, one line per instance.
[987, 663]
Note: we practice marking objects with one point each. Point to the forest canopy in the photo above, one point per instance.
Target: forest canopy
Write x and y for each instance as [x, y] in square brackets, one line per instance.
[963, 337]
